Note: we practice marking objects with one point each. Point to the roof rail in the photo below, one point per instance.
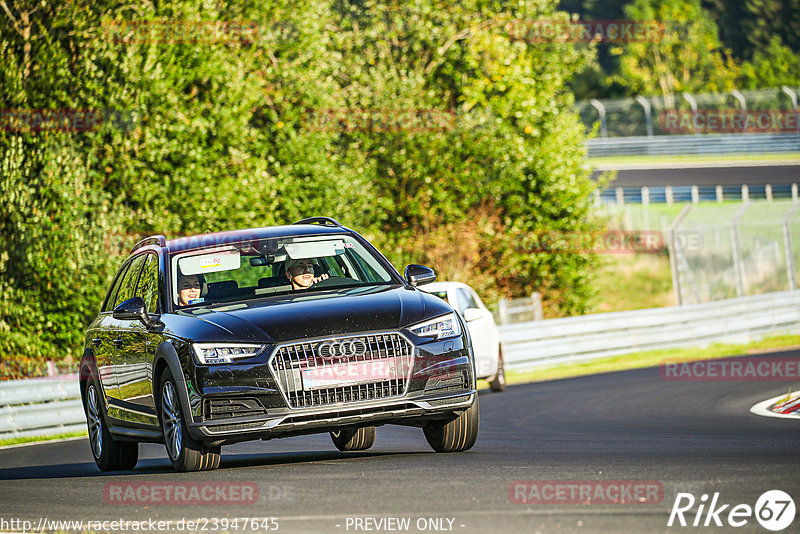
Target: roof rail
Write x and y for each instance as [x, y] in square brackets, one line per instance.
[159, 240]
[325, 221]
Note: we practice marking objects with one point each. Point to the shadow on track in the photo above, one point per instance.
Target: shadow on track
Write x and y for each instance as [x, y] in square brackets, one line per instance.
[159, 465]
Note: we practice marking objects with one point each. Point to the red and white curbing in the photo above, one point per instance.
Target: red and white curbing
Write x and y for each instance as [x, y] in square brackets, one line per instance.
[785, 406]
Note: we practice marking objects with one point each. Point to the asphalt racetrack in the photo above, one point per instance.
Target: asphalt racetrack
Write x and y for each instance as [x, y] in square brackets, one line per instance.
[688, 436]
[743, 173]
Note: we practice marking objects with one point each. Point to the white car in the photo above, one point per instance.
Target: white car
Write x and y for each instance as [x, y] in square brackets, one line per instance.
[482, 329]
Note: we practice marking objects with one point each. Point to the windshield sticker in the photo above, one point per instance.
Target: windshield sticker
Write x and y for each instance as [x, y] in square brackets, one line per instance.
[316, 249]
[210, 263]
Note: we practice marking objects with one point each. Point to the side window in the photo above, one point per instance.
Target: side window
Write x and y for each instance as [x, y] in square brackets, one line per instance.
[465, 300]
[126, 289]
[109, 303]
[148, 284]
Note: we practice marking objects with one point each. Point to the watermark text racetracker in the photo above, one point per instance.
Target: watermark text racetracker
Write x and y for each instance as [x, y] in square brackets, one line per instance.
[64, 120]
[586, 31]
[586, 492]
[608, 242]
[380, 120]
[735, 369]
[729, 121]
[147, 524]
[181, 493]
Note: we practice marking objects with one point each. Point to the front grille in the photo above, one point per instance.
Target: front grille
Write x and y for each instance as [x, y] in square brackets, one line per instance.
[374, 366]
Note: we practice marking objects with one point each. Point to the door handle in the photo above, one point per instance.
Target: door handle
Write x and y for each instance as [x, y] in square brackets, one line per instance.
[97, 342]
[117, 343]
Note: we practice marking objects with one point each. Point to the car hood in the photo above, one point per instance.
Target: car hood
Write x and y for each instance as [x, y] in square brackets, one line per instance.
[299, 316]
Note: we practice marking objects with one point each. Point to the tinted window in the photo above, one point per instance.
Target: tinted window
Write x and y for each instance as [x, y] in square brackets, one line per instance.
[126, 289]
[465, 300]
[109, 303]
[148, 284]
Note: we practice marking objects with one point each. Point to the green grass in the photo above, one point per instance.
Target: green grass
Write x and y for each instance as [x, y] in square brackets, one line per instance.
[710, 213]
[653, 358]
[633, 282]
[36, 439]
[612, 160]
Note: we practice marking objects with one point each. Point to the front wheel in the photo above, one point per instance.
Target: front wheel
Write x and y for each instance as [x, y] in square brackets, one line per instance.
[185, 453]
[109, 455]
[359, 439]
[499, 381]
[456, 435]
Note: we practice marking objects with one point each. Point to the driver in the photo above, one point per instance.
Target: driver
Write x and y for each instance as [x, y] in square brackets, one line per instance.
[189, 289]
[301, 273]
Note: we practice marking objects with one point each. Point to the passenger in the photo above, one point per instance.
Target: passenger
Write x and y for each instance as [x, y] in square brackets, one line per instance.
[189, 289]
[301, 273]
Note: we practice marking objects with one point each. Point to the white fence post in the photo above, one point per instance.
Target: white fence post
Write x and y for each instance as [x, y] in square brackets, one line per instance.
[502, 307]
[536, 302]
[738, 261]
[788, 249]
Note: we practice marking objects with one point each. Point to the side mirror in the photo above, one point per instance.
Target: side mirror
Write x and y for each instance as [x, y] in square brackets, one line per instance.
[470, 314]
[132, 309]
[419, 274]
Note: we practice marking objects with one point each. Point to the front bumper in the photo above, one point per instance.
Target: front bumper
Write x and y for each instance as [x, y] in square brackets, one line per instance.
[441, 382]
[404, 412]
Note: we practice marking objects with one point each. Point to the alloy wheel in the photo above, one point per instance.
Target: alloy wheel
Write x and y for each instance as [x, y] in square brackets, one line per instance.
[95, 421]
[171, 415]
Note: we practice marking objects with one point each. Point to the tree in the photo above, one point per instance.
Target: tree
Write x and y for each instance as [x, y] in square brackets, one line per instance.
[466, 198]
[776, 66]
[688, 57]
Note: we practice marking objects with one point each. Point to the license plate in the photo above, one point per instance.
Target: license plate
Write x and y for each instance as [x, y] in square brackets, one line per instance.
[351, 374]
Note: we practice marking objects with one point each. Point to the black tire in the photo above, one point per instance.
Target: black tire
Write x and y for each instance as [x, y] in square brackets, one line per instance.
[185, 453]
[359, 439]
[498, 383]
[456, 435]
[109, 455]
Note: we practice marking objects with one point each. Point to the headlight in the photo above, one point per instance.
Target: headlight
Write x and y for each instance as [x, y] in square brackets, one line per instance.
[213, 353]
[439, 328]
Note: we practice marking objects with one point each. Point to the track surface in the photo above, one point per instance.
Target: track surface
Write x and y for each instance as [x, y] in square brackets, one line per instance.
[692, 436]
[743, 174]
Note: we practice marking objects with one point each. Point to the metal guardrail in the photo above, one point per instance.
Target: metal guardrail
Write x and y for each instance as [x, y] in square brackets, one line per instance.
[519, 310]
[40, 407]
[662, 145]
[572, 339]
[47, 406]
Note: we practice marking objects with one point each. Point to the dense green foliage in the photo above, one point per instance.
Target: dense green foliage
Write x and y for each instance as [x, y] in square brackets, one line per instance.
[709, 46]
[228, 130]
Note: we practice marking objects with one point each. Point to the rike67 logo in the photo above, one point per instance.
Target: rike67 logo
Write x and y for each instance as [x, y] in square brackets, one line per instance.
[774, 510]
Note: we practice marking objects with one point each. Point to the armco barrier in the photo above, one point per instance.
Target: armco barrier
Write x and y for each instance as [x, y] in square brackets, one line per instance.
[40, 407]
[48, 406]
[693, 144]
[571, 339]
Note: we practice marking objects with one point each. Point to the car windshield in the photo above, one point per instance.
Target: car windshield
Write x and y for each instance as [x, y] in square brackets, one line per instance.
[251, 269]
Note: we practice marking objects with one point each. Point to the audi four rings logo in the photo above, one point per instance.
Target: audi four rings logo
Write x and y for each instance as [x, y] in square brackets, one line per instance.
[341, 349]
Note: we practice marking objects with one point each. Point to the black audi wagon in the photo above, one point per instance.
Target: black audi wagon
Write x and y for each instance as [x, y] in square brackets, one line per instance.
[214, 339]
